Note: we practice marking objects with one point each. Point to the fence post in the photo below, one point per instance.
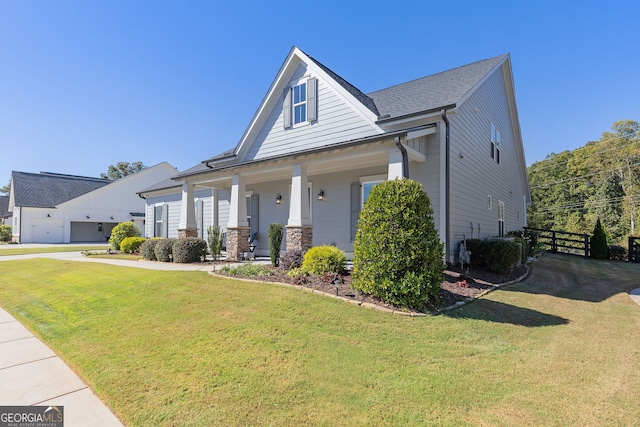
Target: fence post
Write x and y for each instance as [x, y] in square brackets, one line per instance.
[554, 244]
[630, 255]
[586, 246]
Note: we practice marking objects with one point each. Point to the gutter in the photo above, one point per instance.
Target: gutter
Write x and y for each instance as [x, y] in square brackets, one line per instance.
[405, 157]
[447, 182]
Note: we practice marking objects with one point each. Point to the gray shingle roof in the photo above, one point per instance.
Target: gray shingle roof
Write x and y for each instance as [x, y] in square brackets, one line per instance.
[4, 206]
[432, 92]
[364, 99]
[46, 190]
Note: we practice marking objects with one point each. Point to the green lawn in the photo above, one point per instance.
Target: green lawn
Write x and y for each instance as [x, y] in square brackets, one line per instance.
[185, 348]
[6, 250]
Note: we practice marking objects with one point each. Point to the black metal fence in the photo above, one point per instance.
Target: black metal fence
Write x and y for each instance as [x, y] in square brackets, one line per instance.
[562, 241]
[634, 249]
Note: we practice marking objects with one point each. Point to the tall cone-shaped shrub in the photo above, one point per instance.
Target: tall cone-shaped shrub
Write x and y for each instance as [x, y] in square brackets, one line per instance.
[599, 246]
[397, 255]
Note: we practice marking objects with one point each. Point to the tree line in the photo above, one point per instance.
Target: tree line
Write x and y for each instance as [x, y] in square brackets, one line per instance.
[571, 190]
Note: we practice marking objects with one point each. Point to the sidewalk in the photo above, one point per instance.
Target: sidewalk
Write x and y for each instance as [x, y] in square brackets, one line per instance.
[31, 374]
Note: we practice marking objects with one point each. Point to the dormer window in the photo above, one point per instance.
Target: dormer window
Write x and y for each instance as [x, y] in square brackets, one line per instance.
[299, 104]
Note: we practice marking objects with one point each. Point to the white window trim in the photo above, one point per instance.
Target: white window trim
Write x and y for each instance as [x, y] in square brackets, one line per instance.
[302, 81]
[370, 179]
[155, 219]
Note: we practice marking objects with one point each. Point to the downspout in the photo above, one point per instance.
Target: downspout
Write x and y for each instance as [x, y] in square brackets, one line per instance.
[447, 183]
[405, 157]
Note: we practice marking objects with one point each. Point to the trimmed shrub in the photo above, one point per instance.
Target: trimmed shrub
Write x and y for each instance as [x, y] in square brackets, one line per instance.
[500, 256]
[5, 233]
[130, 245]
[291, 259]
[147, 249]
[618, 253]
[398, 256]
[477, 248]
[163, 249]
[121, 232]
[599, 247]
[190, 249]
[214, 237]
[275, 232]
[324, 259]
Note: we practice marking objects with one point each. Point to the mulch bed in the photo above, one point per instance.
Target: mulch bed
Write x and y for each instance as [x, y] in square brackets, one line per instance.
[458, 286]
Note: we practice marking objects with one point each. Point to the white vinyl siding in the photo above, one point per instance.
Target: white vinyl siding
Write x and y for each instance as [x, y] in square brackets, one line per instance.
[474, 175]
[337, 122]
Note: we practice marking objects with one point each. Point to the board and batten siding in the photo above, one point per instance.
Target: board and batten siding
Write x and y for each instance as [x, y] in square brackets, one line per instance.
[474, 175]
[336, 122]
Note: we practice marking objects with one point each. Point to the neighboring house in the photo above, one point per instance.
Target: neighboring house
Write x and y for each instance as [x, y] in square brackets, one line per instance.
[316, 146]
[4, 210]
[56, 208]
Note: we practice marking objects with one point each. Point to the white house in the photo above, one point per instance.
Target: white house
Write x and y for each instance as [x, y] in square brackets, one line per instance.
[56, 208]
[316, 145]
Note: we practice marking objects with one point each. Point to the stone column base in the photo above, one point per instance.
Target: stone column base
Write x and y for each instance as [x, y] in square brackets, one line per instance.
[183, 233]
[237, 242]
[299, 237]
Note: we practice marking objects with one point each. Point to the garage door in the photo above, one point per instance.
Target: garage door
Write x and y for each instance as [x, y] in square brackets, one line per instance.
[47, 231]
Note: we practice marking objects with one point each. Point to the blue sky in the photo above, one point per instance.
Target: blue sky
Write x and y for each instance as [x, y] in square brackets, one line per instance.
[85, 84]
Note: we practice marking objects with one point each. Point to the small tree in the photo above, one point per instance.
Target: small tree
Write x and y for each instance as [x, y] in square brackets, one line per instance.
[275, 232]
[397, 255]
[121, 232]
[5, 233]
[214, 237]
[599, 246]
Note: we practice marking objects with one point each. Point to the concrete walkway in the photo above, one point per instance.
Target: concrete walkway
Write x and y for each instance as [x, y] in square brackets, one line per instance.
[32, 375]
[635, 295]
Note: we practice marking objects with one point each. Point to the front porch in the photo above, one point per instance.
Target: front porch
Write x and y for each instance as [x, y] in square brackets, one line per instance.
[317, 195]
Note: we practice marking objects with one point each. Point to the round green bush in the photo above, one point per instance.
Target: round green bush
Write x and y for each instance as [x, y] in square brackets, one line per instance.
[147, 249]
[500, 255]
[163, 249]
[5, 233]
[130, 245]
[190, 249]
[398, 256]
[121, 232]
[324, 259]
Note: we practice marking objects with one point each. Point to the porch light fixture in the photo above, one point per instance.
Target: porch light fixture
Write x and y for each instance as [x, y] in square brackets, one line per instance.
[321, 195]
[88, 217]
[48, 215]
[278, 199]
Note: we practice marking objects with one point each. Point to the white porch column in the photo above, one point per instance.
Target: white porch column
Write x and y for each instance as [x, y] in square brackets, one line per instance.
[238, 226]
[395, 164]
[238, 204]
[299, 208]
[299, 227]
[187, 226]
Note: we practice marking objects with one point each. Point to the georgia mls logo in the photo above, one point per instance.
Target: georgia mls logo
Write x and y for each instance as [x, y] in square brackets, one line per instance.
[31, 416]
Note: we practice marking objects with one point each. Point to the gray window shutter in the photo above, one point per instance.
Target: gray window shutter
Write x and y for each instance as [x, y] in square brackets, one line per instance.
[199, 222]
[255, 214]
[312, 99]
[165, 221]
[286, 108]
[355, 208]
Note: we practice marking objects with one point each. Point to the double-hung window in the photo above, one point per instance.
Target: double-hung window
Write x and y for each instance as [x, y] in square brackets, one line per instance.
[159, 221]
[300, 103]
[495, 144]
